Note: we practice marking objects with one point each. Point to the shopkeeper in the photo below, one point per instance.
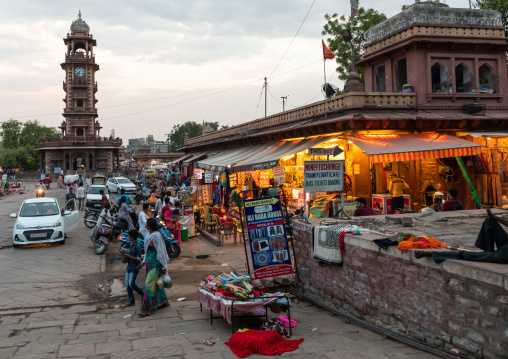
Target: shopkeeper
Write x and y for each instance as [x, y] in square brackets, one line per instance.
[397, 188]
[221, 211]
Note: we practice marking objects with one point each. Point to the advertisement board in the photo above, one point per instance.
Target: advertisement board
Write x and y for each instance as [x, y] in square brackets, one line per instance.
[323, 176]
[208, 177]
[267, 237]
[279, 175]
[198, 173]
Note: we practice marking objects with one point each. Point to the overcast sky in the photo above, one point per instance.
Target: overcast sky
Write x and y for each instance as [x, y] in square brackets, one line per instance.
[197, 59]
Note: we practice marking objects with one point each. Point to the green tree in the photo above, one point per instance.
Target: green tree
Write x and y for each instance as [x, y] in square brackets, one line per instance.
[194, 129]
[19, 142]
[498, 5]
[342, 49]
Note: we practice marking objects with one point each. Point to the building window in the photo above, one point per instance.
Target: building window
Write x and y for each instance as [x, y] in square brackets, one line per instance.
[80, 132]
[380, 79]
[440, 79]
[79, 103]
[487, 79]
[463, 79]
[400, 74]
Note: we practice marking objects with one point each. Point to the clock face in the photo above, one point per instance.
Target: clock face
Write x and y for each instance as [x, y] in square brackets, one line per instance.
[79, 71]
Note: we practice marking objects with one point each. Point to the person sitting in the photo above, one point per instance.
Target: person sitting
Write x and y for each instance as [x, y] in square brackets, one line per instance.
[362, 209]
[127, 198]
[221, 211]
[453, 204]
[491, 235]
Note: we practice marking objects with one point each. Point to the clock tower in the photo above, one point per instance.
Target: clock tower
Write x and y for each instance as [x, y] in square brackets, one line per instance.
[81, 148]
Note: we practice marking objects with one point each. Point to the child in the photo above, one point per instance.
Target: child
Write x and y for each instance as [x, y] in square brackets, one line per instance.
[172, 217]
[134, 259]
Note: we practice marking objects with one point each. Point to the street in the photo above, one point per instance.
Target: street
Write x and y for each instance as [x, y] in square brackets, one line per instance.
[51, 307]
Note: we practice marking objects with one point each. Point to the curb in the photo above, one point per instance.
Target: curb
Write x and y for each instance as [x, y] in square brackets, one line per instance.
[209, 237]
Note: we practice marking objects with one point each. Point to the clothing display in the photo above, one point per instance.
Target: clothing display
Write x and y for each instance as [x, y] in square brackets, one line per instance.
[233, 285]
[328, 242]
[243, 344]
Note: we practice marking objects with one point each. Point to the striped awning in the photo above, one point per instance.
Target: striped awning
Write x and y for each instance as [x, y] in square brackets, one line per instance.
[230, 156]
[181, 158]
[196, 156]
[421, 146]
[270, 157]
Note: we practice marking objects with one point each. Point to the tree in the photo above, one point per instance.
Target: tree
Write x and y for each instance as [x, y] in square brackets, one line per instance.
[19, 142]
[357, 25]
[498, 5]
[194, 129]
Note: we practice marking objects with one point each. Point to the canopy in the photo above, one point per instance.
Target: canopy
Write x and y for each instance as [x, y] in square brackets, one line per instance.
[182, 158]
[488, 134]
[270, 157]
[421, 146]
[195, 156]
[230, 156]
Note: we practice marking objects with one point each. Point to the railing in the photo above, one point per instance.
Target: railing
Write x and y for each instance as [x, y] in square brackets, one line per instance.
[353, 99]
[66, 141]
[80, 57]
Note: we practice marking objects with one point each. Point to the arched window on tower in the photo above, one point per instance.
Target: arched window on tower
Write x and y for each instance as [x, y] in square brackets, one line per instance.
[487, 79]
[440, 78]
[79, 103]
[463, 79]
[80, 132]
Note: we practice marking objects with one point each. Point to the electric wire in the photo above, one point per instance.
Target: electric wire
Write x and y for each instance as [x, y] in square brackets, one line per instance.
[294, 37]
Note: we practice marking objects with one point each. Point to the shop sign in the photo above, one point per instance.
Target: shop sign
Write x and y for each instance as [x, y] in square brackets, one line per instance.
[323, 176]
[264, 179]
[330, 151]
[299, 159]
[57, 170]
[264, 165]
[232, 180]
[295, 169]
[267, 237]
[278, 175]
[198, 173]
[208, 177]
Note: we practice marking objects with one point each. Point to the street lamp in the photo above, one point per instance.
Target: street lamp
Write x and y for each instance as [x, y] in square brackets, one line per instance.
[346, 34]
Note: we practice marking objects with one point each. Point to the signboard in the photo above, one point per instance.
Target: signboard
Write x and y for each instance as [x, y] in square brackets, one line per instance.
[264, 179]
[330, 151]
[267, 237]
[323, 176]
[299, 159]
[57, 170]
[208, 177]
[279, 176]
[198, 173]
[232, 180]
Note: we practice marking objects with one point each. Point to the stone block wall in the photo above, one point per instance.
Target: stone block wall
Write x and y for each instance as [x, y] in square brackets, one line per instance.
[446, 306]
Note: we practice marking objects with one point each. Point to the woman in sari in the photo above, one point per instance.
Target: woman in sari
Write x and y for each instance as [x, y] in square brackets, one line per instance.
[156, 260]
[124, 213]
[222, 213]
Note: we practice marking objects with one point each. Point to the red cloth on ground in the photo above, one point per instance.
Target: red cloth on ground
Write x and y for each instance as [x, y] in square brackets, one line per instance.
[243, 344]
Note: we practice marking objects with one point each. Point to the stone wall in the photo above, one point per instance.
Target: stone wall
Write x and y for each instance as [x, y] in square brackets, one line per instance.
[456, 304]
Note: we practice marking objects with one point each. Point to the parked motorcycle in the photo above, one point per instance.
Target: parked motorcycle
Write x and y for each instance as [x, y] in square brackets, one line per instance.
[102, 233]
[120, 224]
[91, 217]
[139, 196]
[172, 245]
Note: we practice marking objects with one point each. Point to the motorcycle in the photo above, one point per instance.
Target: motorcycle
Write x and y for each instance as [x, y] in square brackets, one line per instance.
[39, 192]
[91, 217]
[139, 196]
[119, 224]
[102, 233]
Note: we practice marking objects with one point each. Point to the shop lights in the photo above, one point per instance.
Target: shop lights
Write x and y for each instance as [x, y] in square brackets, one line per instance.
[288, 157]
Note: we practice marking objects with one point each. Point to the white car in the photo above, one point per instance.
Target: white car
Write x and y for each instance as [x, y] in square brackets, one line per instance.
[94, 198]
[115, 184]
[41, 220]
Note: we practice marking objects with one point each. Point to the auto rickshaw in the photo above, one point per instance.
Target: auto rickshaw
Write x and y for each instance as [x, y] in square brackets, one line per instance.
[99, 179]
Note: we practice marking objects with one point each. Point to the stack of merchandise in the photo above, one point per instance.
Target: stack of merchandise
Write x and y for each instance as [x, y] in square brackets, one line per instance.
[233, 285]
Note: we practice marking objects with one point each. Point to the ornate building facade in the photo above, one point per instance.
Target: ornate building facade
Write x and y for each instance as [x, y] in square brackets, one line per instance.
[80, 147]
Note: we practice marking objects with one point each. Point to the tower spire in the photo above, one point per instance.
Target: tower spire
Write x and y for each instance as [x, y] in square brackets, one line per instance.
[79, 14]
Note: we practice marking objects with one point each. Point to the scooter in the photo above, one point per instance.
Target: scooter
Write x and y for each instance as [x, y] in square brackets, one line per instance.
[139, 196]
[102, 233]
[172, 246]
[91, 217]
[39, 192]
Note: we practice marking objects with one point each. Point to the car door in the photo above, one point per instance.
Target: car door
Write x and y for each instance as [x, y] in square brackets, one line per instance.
[71, 219]
[111, 185]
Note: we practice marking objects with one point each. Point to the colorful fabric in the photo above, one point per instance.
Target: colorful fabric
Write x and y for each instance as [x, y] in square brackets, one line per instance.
[420, 242]
[154, 296]
[243, 344]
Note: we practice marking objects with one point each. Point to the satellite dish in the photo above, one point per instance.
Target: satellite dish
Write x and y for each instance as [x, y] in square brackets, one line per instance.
[329, 89]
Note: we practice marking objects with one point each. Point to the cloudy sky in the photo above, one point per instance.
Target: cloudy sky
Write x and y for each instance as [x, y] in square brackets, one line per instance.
[164, 62]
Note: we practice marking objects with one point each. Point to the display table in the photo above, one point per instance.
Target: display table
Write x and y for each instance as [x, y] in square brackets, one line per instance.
[383, 202]
[226, 307]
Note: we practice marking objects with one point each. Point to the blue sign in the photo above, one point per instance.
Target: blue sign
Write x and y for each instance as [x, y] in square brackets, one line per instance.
[267, 237]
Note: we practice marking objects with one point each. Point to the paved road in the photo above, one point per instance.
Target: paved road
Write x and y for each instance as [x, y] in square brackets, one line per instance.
[35, 324]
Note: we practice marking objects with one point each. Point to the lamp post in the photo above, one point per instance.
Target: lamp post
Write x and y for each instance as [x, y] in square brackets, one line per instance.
[346, 34]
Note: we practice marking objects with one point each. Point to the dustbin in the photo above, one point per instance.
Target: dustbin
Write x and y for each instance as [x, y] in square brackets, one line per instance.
[184, 234]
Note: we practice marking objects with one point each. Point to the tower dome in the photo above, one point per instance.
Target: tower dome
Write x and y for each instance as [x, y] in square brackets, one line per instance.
[79, 25]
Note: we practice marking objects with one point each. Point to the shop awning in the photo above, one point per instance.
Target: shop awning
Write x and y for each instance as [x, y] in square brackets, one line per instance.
[270, 157]
[422, 146]
[230, 156]
[181, 158]
[196, 156]
[487, 134]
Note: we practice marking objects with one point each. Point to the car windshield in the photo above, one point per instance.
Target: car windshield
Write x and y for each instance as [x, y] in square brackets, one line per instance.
[39, 209]
[95, 190]
[98, 180]
[123, 180]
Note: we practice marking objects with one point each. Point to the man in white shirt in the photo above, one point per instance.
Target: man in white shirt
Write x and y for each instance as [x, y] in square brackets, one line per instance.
[88, 183]
[143, 218]
[80, 196]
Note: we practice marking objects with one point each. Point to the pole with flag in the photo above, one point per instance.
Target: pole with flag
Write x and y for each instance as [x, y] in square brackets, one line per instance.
[327, 55]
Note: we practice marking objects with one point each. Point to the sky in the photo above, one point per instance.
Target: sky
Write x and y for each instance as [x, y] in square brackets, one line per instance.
[165, 62]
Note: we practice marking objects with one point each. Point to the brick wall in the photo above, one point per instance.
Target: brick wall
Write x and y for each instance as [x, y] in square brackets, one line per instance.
[442, 309]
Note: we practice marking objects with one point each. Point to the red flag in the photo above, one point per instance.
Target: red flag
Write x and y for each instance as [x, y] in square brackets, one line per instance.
[327, 54]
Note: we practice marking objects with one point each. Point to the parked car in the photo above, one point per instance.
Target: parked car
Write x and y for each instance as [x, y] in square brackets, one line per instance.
[41, 220]
[115, 184]
[93, 197]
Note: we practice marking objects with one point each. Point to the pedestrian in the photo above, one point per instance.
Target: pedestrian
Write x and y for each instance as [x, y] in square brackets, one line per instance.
[156, 260]
[60, 181]
[80, 180]
[104, 199]
[81, 197]
[70, 200]
[132, 271]
[159, 204]
[362, 209]
[88, 183]
[143, 218]
[453, 204]
[124, 213]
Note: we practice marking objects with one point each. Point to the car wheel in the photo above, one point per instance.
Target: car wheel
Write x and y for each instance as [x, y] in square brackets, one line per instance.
[62, 241]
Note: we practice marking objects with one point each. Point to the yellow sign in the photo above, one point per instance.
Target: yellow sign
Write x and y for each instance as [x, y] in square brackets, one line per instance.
[261, 202]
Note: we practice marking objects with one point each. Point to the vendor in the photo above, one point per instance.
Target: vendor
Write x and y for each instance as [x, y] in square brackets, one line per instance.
[362, 209]
[221, 211]
[397, 188]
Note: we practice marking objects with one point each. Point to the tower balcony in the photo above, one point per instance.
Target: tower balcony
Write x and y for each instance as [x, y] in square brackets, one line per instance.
[71, 141]
[80, 57]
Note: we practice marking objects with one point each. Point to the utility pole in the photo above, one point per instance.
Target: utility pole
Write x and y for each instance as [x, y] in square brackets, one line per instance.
[284, 99]
[167, 134]
[266, 88]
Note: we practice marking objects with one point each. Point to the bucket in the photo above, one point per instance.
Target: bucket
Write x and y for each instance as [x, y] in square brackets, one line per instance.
[184, 234]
